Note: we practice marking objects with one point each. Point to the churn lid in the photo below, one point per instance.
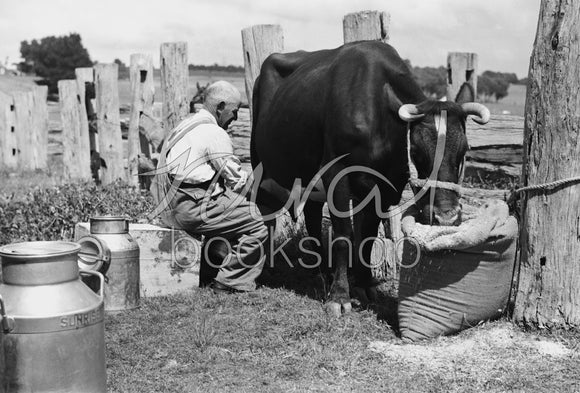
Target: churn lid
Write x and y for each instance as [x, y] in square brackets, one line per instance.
[39, 263]
[38, 250]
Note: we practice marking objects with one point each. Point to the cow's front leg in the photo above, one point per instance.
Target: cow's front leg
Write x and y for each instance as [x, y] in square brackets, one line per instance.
[340, 250]
[366, 223]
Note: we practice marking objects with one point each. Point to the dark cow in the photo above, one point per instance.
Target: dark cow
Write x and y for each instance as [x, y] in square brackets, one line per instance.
[345, 104]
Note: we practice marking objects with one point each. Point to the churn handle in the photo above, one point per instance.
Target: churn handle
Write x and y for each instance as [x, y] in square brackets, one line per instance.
[6, 322]
[101, 281]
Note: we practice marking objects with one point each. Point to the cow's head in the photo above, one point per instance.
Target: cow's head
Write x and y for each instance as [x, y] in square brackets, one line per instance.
[429, 121]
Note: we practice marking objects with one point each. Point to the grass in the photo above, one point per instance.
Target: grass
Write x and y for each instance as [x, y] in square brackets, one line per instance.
[275, 340]
[280, 339]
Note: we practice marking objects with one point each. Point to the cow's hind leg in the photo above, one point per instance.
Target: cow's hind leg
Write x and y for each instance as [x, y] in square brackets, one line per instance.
[340, 250]
[313, 222]
[366, 223]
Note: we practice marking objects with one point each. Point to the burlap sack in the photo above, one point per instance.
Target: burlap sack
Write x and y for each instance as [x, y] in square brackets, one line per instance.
[461, 275]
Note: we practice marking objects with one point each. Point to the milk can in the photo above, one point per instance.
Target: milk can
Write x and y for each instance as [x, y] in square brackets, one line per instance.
[110, 250]
[51, 324]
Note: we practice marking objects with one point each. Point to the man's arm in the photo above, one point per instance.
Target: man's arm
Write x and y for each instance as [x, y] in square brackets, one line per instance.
[222, 159]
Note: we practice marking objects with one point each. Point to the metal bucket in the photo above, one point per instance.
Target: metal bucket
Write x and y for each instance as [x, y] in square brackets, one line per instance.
[110, 250]
[53, 334]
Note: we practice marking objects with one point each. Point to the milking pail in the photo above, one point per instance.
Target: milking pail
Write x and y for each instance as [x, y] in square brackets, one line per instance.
[110, 250]
[52, 325]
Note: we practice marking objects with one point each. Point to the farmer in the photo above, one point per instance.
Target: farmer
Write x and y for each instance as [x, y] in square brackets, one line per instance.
[199, 157]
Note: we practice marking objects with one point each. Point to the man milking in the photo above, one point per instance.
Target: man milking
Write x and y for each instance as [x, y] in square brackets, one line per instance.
[199, 157]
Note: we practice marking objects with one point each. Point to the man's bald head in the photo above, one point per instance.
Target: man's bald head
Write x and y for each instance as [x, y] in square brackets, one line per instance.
[221, 91]
[222, 99]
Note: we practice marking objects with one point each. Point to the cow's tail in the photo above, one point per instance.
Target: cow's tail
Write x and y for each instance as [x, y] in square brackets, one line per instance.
[255, 160]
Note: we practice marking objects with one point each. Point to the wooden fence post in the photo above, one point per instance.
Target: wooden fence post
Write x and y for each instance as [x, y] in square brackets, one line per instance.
[461, 68]
[22, 124]
[108, 122]
[366, 26]
[369, 26]
[31, 128]
[8, 141]
[83, 76]
[259, 42]
[142, 93]
[39, 127]
[548, 293]
[75, 137]
[174, 82]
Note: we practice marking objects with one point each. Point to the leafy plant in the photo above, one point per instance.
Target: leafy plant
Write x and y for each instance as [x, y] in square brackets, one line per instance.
[51, 213]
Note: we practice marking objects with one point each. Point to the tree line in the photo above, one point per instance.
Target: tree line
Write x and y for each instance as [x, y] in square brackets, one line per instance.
[55, 58]
[490, 84]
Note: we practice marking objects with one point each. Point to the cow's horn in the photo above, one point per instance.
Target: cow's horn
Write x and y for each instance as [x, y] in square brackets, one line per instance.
[410, 112]
[480, 111]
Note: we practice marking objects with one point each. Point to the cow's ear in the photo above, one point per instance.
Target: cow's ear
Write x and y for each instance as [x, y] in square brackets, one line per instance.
[391, 98]
[465, 94]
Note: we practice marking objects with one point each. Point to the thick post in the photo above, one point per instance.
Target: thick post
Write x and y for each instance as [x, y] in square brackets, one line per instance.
[108, 122]
[174, 81]
[259, 42]
[366, 26]
[86, 76]
[8, 140]
[548, 292]
[39, 127]
[23, 103]
[142, 91]
[461, 68]
[374, 26]
[75, 154]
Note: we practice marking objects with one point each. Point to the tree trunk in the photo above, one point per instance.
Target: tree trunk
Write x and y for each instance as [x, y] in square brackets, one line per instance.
[549, 290]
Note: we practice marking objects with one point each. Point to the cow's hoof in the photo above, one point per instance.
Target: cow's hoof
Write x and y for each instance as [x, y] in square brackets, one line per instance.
[366, 295]
[337, 309]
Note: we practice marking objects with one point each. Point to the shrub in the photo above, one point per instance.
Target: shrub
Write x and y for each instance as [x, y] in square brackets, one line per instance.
[51, 213]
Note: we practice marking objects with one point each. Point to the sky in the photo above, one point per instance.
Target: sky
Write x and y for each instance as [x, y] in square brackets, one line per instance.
[501, 32]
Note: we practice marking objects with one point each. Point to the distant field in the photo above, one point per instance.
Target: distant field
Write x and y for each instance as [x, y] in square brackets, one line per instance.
[201, 77]
[514, 103]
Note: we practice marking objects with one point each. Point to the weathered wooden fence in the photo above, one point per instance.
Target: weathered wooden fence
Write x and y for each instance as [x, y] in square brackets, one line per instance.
[91, 130]
[91, 134]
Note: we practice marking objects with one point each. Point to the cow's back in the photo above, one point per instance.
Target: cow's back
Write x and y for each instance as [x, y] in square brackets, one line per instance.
[306, 103]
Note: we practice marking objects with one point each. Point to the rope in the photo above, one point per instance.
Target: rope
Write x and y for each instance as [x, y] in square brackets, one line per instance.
[420, 183]
[548, 186]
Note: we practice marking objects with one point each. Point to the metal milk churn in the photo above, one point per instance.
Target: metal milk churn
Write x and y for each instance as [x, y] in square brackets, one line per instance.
[52, 331]
[110, 250]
